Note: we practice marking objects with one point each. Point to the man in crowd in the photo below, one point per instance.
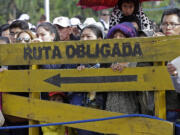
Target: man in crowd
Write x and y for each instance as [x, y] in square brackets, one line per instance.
[170, 22]
[64, 27]
[75, 30]
[170, 25]
[104, 19]
[16, 27]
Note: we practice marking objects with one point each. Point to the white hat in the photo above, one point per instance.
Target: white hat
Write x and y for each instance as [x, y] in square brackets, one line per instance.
[24, 17]
[62, 21]
[75, 21]
[98, 24]
[87, 22]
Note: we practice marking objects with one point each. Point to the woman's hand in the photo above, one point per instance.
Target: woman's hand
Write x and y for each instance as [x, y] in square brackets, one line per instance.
[119, 66]
[158, 34]
[2, 69]
[171, 69]
[80, 67]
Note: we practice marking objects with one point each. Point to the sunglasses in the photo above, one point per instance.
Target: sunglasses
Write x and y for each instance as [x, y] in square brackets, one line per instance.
[105, 14]
[27, 40]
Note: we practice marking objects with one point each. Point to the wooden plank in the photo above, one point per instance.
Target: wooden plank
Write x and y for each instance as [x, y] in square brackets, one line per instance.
[102, 51]
[160, 99]
[160, 104]
[141, 79]
[58, 112]
[35, 95]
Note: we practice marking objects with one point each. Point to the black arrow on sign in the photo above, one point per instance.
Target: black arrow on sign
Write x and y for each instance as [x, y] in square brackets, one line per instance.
[57, 80]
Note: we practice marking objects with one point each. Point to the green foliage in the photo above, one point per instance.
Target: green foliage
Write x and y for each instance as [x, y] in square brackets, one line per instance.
[155, 15]
[11, 9]
[35, 8]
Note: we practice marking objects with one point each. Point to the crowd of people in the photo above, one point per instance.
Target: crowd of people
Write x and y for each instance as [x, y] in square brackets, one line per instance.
[127, 20]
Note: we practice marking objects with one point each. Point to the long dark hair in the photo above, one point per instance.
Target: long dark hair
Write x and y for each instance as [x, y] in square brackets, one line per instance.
[51, 28]
[136, 4]
[96, 30]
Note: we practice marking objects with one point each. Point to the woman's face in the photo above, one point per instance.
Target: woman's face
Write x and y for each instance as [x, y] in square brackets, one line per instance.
[118, 35]
[44, 35]
[128, 8]
[5, 33]
[88, 34]
[24, 38]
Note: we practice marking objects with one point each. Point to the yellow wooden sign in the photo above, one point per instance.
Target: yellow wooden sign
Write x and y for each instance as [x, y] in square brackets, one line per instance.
[45, 111]
[102, 51]
[131, 79]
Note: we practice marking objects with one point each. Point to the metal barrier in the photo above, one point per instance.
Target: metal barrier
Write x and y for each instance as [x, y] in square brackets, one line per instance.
[156, 50]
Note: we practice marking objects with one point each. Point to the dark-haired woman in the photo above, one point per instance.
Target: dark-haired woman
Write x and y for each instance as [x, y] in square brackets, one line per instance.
[91, 99]
[47, 32]
[125, 10]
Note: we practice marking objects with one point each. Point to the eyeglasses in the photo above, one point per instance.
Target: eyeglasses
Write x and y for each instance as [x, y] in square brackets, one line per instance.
[13, 33]
[105, 14]
[27, 40]
[172, 25]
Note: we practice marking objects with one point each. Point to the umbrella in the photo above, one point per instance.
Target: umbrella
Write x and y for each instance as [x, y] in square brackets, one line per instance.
[101, 4]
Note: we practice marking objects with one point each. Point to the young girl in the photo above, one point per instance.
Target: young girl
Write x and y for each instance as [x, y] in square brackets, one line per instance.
[57, 130]
[125, 10]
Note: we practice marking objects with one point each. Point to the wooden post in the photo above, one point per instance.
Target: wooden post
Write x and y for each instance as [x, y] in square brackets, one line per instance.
[160, 99]
[34, 131]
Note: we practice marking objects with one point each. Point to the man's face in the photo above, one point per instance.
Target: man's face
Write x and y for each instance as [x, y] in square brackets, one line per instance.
[6, 33]
[171, 25]
[13, 34]
[75, 31]
[64, 33]
[105, 15]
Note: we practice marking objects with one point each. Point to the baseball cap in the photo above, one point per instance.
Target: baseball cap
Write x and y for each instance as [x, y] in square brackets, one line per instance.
[24, 17]
[75, 21]
[87, 22]
[62, 21]
[56, 93]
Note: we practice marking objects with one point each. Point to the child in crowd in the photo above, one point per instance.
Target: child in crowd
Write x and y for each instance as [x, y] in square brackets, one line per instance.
[57, 130]
[125, 10]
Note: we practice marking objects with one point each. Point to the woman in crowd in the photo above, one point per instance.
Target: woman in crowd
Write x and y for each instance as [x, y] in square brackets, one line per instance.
[4, 30]
[123, 102]
[47, 32]
[92, 99]
[25, 36]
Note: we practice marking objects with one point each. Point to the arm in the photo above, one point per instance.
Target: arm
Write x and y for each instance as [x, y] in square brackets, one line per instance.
[144, 20]
[175, 79]
[115, 17]
[119, 66]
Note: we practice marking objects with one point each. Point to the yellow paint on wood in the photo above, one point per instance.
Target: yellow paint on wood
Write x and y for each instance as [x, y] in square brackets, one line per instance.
[160, 99]
[148, 78]
[97, 51]
[47, 111]
[160, 104]
[35, 95]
